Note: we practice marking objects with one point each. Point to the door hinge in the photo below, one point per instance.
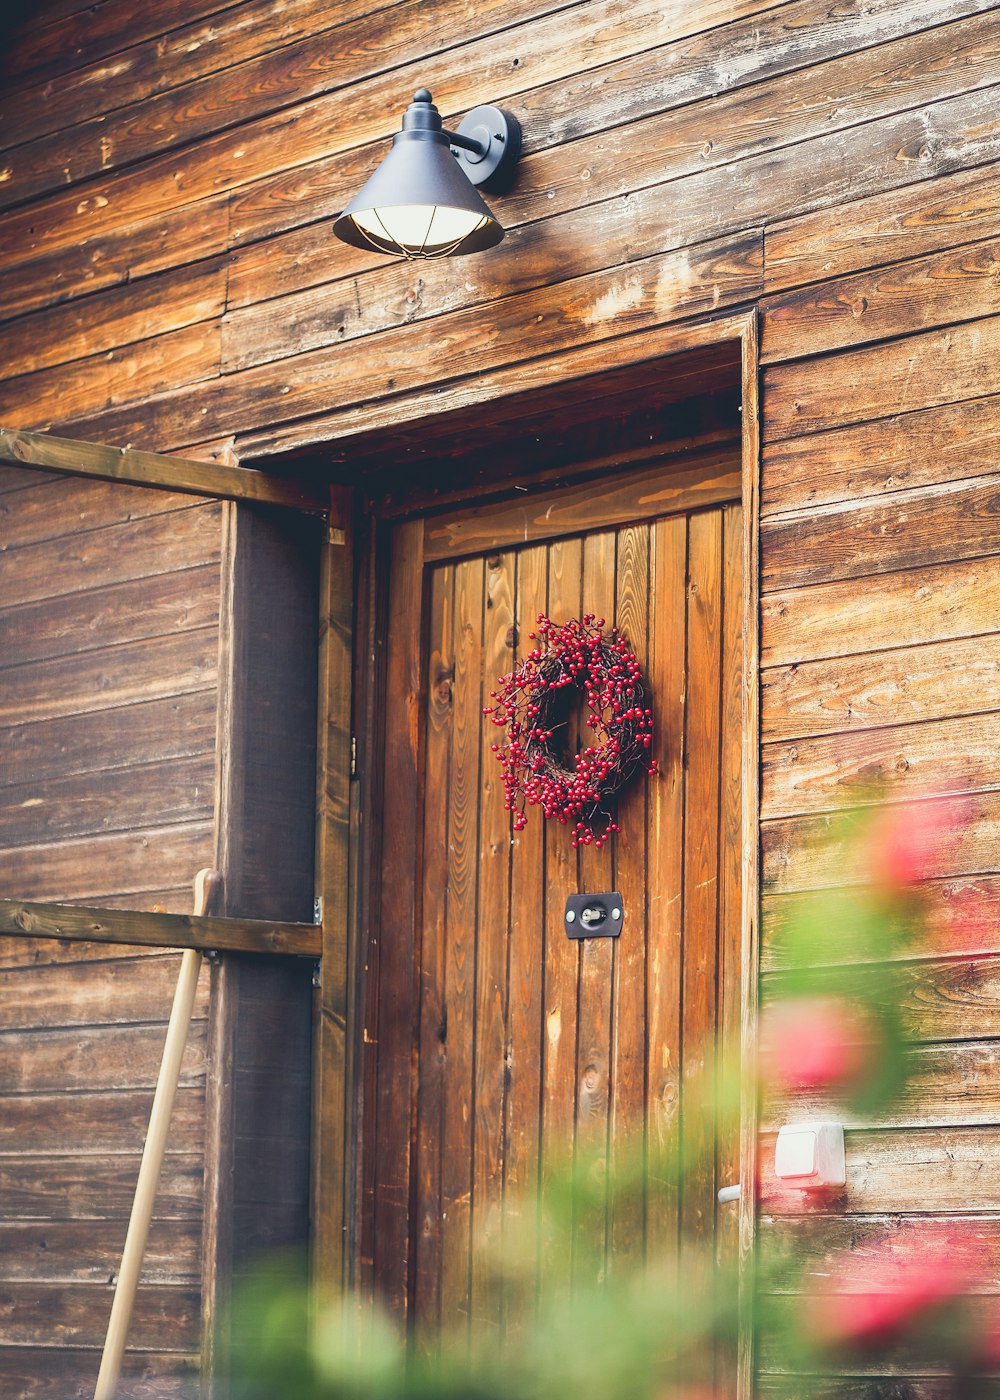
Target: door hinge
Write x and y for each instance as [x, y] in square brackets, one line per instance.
[354, 756]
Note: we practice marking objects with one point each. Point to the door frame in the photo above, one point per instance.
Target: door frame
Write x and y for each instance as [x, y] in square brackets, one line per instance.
[350, 850]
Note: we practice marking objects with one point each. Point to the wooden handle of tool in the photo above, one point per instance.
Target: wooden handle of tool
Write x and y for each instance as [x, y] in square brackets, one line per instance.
[205, 885]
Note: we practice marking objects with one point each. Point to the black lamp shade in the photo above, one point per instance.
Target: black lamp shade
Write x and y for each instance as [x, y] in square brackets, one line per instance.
[419, 202]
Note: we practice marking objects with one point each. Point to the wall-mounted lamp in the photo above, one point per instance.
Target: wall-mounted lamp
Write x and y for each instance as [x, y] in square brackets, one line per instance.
[421, 201]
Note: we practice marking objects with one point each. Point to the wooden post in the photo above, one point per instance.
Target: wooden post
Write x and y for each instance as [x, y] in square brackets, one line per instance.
[205, 885]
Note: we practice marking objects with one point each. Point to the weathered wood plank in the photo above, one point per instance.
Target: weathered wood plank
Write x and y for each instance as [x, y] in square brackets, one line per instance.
[180, 727]
[933, 446]
[465, 776]
[71, 332]
[958, 284]
[615, 499]
[529, 929]
[76, 1315]
[951, 1086]
[135, 928]
[912, 1387]
[171, 57]
[69, 1251]
[623, 140]
[712, 344]
[70, 1373]
[636, 605]
[92, 1058]
[233, 158]
[131, 611]
[907, 530]
[70, 1125]
[333, 1045]
[87, 1186]
[729, 975]
[561, 967]
[931, 682]
[955, 755]
[668, 668]
[801, 853]
[699, 990]
[856, 1244]
[352, 55]
[434, 953]
[201, 478]
[123, 375]
[915, 606]
[110, 679]
[599, 595]
[92, 31]
[158, 544]
[63, 505]
[941, 999]
[394, 1026]
[84, 868]
[554, 318]
[114, 991]
[492, 942]
[961, 918]
[766, 46]
[942, 213]
[179, 790]
[935, 367]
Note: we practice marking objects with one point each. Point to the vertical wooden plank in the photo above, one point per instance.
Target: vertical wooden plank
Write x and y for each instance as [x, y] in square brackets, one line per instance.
[730, 872]
[394, 1095]
[596, 955]
[525, 1030]
[460, 976]
[561, 956]
[433, 954]
[728, 1037]
[668, 682]
[491, 956]
[626, 1227]
[330, 1059]
[701, 870]
[750, 857]
[371, 626]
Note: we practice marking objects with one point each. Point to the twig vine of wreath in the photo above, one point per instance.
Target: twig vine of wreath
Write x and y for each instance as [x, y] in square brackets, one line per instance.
[574, 661]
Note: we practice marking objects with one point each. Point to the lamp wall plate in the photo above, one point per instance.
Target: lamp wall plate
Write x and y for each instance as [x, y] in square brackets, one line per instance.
[498, 133]
[811, 1155]
[594, 915]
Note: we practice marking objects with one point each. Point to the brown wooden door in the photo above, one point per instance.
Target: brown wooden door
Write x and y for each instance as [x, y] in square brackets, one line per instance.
[501, 1047]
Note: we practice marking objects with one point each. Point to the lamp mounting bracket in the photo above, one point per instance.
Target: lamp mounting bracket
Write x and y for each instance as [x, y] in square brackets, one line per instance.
[487, 145]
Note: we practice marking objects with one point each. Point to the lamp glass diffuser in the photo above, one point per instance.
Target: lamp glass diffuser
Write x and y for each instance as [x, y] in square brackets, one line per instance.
[421, 202]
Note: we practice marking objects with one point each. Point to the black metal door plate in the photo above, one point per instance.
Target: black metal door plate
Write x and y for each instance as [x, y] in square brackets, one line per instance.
[594, 915]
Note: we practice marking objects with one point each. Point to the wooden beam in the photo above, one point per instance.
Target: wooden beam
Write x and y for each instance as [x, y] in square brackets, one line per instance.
[128, 926]
[154, 469]
[333, 1067]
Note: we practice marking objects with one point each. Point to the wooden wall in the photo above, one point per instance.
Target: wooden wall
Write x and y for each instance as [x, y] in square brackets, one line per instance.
[169, 278]
[109, 641]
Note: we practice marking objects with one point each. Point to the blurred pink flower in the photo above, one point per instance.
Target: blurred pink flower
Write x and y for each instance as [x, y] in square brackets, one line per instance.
[815, 1042]
[868, 1303]
[905, 843]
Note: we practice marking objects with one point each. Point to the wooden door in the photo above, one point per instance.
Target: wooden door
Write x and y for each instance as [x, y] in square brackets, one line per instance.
[499, 1047]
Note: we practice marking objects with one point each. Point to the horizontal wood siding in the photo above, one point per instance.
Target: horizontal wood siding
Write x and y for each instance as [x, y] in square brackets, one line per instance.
[110, 640]
[880, 649]
[168, 177]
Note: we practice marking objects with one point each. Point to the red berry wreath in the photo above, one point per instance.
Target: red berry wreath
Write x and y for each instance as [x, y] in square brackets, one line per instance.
[576, 659]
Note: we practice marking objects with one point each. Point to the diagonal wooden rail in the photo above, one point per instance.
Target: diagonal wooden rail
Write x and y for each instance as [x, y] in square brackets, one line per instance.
[206, 888]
